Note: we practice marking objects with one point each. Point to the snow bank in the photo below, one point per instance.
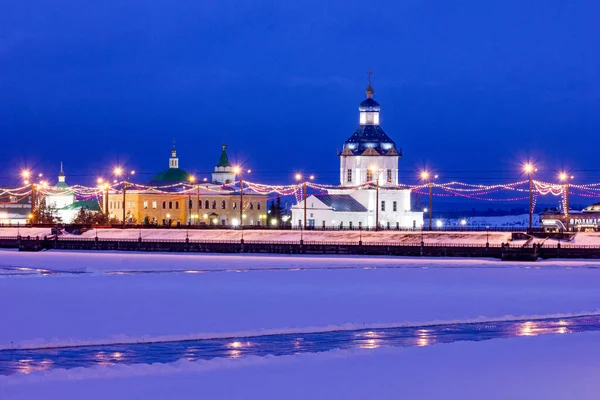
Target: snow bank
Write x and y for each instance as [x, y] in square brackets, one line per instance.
[104, 261]
[544, 367]
[295, 236]
[96, 308]
[504, 221]
[33, 232]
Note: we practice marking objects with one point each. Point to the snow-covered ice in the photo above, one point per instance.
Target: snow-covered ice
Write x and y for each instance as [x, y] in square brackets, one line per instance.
[100, 307]
[549, 367]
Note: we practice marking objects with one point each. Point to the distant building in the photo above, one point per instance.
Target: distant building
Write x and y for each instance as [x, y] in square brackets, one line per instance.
[172, 198]
[587, 219]
[61, 196]
[223, 171]
[369, 160]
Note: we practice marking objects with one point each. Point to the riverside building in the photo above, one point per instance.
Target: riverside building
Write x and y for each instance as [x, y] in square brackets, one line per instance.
[367, 195]
[174, 197]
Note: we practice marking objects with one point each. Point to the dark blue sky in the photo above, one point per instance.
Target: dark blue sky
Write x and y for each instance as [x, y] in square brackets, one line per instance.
[468, 85]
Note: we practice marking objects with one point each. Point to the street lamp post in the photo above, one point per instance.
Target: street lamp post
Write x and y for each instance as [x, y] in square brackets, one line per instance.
[565, 178]
[529, 169]
[299, 177]
[104, 185]
[192, 179]
[118, 172]
[426, 176]
[238, 171]
[373, 170]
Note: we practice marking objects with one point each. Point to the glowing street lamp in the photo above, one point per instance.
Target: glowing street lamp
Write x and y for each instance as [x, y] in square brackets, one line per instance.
[374, 169]
[298, 177]
[427, 177]
[118, 171]
[237, 170]
[193, 179]
[564, 177]
[103, 184]
[529, 169]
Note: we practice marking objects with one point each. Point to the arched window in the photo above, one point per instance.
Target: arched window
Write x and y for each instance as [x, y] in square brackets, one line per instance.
[190, 204]
[206, 204]
[214, 205]
[170, 205]
[177, 205]
[258, 205]
[199, 203]
[164, 205]
[234, 205]
[223, 204]
[251, 205]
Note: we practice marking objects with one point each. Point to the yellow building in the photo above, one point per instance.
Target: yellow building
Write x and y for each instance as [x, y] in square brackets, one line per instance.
[171, 198]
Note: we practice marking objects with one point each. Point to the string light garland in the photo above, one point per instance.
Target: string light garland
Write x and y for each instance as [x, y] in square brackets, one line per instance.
[478, 192]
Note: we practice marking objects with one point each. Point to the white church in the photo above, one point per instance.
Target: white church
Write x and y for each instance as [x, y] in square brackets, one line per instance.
[368, 177]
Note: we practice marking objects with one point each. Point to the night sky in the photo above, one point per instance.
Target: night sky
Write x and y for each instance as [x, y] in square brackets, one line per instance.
[469, 88]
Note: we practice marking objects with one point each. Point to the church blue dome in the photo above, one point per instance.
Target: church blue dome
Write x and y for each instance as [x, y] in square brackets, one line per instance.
[369, 105]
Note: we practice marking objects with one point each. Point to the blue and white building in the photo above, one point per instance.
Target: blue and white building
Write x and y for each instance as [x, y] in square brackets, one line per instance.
[369, 159]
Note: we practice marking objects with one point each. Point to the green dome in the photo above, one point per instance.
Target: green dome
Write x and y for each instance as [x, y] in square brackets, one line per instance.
[172, 175]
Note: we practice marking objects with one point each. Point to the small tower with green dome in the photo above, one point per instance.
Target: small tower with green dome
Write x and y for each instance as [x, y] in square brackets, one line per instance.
[172, 174]
[223, 172]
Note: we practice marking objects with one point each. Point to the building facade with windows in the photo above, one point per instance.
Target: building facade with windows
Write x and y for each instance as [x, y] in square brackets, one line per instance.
[368, 180]
[171, 199]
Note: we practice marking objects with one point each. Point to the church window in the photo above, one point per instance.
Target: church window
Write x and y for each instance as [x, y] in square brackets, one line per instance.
[214, 205]
[199, 204]
[389, 176]
[395, 206]
[349, 175]
[383, 206]
[154, 205]
[206, 204]
[223, 204]
[369, 175]
[170, 205]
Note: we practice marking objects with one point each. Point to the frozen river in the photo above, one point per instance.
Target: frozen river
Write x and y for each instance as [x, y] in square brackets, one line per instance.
[27, 361]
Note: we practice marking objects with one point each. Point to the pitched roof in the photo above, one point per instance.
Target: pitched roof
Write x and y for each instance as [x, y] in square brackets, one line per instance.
[341, 202]
[171, 175]
[91, 205]
[224, 160]
[370, 136]
[370, 152]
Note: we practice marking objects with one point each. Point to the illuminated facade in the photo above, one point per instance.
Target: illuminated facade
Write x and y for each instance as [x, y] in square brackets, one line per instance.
[171, 199]
[368, 177]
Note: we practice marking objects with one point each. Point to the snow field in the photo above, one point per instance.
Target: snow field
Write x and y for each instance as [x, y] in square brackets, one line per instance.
[548, 367]
[99, 308]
